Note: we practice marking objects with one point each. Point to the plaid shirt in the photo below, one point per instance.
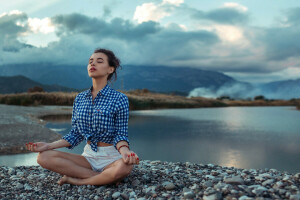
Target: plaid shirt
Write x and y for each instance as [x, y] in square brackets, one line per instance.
[105, 119]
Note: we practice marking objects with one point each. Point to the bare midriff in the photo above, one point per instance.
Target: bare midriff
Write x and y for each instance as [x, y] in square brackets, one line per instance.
[101, 144]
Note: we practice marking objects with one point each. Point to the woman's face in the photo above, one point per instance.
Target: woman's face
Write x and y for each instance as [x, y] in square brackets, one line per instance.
[98, 66]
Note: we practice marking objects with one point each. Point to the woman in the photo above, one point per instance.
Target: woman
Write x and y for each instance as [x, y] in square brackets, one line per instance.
[100, 116]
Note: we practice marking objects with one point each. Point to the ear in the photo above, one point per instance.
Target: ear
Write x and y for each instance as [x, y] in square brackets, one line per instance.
[111, 69]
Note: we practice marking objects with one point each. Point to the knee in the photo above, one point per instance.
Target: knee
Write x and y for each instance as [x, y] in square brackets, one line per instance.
[44, 157]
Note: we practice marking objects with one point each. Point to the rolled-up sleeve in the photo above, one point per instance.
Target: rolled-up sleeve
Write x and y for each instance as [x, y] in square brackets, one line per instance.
[73, 137]
[122, 117]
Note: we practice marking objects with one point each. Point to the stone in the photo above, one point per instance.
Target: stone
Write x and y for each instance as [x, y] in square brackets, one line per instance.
[124, 196]
[189, 195]
[116, 195]
[259, 190]
[245, 198]
[215, 196]
[235, 180]
[168, 185]
[19, 186]
[268, 182]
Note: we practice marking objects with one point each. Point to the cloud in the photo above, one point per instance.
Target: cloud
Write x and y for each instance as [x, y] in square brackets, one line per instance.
[230, 13]
[236, 6]
[155, 11]
[12, 25]
[44, 25]
[281, 41]
[173, 2]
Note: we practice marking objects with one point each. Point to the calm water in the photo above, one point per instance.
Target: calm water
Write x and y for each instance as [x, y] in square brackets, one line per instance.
[243, 137]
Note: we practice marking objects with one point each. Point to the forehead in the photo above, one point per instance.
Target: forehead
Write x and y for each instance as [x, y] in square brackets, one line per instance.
[98, 55]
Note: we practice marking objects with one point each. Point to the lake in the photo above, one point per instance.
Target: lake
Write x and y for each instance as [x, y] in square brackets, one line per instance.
[242, 137]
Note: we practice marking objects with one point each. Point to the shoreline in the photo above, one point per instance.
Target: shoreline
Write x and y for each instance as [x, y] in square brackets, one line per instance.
[24, 123]
[157, 180]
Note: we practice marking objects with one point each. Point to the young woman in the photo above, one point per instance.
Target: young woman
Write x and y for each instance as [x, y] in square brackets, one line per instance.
[100, 116]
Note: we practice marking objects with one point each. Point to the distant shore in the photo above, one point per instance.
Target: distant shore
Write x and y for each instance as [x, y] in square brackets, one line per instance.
[141, 100]
[157, 180]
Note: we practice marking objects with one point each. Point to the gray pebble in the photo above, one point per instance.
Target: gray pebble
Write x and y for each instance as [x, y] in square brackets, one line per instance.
[116, 195]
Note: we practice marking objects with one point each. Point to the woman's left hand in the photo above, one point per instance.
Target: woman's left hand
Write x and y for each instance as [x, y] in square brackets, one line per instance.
[129, 157]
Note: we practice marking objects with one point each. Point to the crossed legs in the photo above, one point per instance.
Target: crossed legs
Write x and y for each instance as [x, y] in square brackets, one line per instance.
[77, 170]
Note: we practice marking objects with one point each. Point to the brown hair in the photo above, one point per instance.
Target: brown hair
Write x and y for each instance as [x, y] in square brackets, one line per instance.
[113, 61]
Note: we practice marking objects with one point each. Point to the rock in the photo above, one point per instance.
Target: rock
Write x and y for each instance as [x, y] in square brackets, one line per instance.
[27, 187]
[132, 194]
[235, 180]
[124, 196]
[19, 186]
[207, 184]
[136, 182]
[259, 190]
[295, 197]
[268, 182]
[189, 195]
[168, 185]
[11, 171]
[215, 196]
[116, 195]
[209, 177]
[245, 198]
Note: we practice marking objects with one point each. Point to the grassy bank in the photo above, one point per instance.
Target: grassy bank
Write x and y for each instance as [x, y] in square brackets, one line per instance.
[140, 100]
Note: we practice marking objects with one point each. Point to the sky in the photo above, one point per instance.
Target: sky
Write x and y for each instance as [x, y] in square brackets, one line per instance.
[250, 40]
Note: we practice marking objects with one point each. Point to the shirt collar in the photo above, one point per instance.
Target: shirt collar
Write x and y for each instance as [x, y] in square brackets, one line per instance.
[104, 91]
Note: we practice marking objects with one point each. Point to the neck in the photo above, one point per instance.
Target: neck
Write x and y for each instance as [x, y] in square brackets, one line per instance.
[98, 84]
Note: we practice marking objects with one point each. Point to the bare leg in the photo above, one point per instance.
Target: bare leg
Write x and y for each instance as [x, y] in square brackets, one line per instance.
[113, 174]
[66, 164]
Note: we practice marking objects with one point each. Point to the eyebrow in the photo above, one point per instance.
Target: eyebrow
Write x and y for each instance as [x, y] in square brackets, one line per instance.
[97, 58]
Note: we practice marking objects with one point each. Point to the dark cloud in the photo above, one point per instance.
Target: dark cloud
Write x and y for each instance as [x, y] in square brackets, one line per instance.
[9, 31]
[293, 16]
[116, 28]
[282, 41]
[223, 15]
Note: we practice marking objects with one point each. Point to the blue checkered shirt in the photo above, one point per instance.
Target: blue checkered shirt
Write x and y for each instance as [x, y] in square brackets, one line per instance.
[105, 119]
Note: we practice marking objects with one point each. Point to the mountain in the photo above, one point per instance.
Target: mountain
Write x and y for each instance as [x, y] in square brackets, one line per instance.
[18, 84]
[179, 80]
[285, 89]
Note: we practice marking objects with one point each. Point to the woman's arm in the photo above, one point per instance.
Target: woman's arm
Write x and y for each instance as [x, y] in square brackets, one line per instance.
[121, 135]
[58, 144]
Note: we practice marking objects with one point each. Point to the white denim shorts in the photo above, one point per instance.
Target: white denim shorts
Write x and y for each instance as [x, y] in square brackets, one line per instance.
[103, 157]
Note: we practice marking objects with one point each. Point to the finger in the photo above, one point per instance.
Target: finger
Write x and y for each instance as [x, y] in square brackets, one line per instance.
[132, 158]
[29, 146]
[135, 158]
[26, 146]
[34, 147]
[138, 160]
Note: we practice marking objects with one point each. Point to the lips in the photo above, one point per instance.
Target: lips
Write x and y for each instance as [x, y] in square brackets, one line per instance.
[92, 69]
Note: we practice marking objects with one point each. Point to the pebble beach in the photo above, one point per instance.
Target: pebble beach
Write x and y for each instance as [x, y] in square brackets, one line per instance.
[156, 180]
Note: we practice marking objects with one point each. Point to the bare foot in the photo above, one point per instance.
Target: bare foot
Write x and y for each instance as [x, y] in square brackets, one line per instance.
[63, 180]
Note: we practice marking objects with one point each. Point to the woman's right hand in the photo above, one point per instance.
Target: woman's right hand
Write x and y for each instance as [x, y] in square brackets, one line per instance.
[37, 146]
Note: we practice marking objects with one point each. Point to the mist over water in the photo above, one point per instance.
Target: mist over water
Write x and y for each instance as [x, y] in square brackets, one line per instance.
[246, 91]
